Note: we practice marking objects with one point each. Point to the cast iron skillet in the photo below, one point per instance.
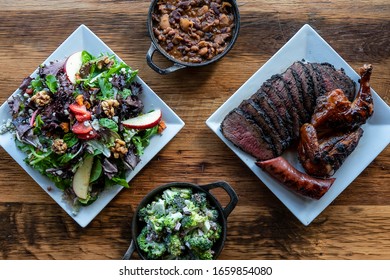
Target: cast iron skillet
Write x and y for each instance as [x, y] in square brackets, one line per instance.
[223, 212]
[178, 64]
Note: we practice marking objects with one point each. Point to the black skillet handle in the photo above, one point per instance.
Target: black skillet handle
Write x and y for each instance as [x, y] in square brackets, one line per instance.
[229, 190]
[129, 251]
[149, 60]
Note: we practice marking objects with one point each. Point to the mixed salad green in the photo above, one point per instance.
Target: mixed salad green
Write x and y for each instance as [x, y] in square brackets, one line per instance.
[73, 130]
[179, 224]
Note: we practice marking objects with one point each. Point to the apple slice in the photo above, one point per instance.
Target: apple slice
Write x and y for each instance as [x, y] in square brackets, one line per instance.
[81, 178]
[72, 66]
[144, 121]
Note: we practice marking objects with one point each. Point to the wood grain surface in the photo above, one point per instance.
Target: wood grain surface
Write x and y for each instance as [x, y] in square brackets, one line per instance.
[355, 226]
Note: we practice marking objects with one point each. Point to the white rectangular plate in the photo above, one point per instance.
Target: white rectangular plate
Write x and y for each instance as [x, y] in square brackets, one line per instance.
[83, 39]
[308, 45]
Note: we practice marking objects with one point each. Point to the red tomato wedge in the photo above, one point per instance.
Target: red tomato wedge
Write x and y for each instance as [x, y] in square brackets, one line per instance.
[80, 112]
[77, 109]
[84, 117]
[81, 128]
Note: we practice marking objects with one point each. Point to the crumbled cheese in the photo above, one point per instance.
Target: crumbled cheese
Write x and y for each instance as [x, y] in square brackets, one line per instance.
[95, 124]
[6, 126]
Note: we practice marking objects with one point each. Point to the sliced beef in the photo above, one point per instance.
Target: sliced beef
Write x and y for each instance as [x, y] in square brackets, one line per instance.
[327, 81]
[247, 135]
[295, 92]
[256, 113]
[318, 81]
[302, 76]
[340, 80]
[276, 86]
[269, 108]
[274, 97]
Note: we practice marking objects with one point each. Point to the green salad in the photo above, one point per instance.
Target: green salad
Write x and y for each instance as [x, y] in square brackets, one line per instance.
[80, 122]
[179, 224]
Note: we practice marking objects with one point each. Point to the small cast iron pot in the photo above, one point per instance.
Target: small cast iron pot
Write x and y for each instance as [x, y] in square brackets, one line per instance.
[137, 225]
[178, 64]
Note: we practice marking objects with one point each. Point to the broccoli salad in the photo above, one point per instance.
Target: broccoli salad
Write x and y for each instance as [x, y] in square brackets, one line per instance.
[179, 224]
[70, 120]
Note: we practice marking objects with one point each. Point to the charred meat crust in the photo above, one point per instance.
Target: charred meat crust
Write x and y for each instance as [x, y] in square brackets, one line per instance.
[302, 74]
[294, 88]
[269, 108]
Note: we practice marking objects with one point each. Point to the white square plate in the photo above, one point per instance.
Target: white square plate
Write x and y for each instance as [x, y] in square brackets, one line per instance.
[83, 39]
[308, 45]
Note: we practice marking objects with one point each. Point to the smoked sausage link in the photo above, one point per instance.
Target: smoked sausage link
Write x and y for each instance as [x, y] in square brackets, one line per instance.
[301, 183]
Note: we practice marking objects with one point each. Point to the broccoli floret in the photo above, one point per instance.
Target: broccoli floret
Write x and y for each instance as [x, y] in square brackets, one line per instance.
[174, 245]
[205, 255]
[215, 231]
[153, 249]
[190, 207]
[200, 200]
[157, 224]
[179, 203]
[192, 221]
[171, 220]
[143, 214]
[198, 243]
[168, 195]
[158, 207]
[212, 214]
[184, 193]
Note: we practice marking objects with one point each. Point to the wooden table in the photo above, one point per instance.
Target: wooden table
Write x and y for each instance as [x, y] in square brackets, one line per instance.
[355, 226]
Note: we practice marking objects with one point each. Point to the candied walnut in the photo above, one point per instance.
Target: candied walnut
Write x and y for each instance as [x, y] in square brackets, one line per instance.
[59, 146]
[109, 106]
[105, 62]
[119, 148]
[41, 98]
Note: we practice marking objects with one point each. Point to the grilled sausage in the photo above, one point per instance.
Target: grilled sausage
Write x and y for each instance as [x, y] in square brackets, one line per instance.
[299, 182]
